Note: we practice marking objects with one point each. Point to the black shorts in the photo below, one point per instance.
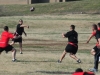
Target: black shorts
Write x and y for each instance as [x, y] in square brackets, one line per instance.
[96, 49]
[8, 48]
[17, 40]
[71, 49]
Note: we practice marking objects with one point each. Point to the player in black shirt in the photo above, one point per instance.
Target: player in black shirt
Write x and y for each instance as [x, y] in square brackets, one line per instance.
[96, 50]
[72, 46]
[19, 31]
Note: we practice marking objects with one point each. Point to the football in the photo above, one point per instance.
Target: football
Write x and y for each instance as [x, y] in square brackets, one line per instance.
[32, 9]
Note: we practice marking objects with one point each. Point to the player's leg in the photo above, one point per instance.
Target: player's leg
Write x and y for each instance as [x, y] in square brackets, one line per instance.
[13, 54]
[94, 50]
[20, 45]
[62, 56]
[11, 48]
[93, 53]
[73, 56]
[73, 50]
[1, 50]
[96, 59]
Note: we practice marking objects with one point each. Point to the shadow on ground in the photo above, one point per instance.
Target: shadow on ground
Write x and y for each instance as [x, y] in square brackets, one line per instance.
[34, 61]
[73, 0]
[55, 72]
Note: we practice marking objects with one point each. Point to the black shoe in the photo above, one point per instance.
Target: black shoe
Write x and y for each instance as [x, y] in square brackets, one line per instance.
[79, 61]
[13, 60]
[59, 61]
[6, 52]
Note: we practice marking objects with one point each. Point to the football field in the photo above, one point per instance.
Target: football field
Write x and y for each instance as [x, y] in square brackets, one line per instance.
[44, 45]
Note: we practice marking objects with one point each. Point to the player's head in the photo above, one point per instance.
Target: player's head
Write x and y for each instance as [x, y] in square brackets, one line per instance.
[72, 27]
[20, 21]
[94, 27]
[6, 28]
[99, 24]
[78, 70]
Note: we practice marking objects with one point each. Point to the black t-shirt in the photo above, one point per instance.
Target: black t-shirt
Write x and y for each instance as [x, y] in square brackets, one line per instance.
[72, 36]
[19, 29]
[97, 35]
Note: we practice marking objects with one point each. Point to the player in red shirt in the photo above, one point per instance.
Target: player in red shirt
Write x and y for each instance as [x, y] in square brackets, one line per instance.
[4, 42]
[79, 71]
[99, 30]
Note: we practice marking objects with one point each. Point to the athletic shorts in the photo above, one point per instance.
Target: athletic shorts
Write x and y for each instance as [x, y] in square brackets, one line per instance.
[71, 49]
[8, 48]
[96, 49]
[17, 40]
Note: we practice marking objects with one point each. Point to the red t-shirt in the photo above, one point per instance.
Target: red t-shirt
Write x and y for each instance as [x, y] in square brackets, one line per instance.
[5, 36]
[78, 73]
[93, 33]
[82, 73]
[99, 28]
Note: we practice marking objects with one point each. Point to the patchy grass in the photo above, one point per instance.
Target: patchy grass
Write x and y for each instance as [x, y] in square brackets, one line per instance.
[81, 6]
[44, 45]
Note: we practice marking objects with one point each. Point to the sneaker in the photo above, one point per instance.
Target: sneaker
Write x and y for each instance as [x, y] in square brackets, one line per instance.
[79, 61]
[59, 61]
[93, 70]
[6, 52]
[13, 60]
[21, 53]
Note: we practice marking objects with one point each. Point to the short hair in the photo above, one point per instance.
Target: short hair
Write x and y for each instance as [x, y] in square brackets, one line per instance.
[99, 24]
[20, 20]
[78, 70]
[6, 28]
[72, 26]
[95, 26]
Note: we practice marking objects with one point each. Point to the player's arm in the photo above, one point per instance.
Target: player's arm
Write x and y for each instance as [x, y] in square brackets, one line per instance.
[65, 35]
[13, 36]
[89, 38]
[24, 26]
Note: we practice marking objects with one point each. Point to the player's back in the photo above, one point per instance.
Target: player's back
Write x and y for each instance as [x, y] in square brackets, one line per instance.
[4, 39]
[73, 37]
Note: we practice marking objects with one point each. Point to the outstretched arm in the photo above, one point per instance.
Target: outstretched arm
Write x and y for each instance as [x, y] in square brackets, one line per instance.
[24, 26]
[89, 38]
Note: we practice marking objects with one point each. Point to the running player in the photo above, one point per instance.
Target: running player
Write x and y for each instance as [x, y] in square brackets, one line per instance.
[19, 31]
[96, 50]
[98, 26]
[72, 46]
[99, 30]
[4, 39]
